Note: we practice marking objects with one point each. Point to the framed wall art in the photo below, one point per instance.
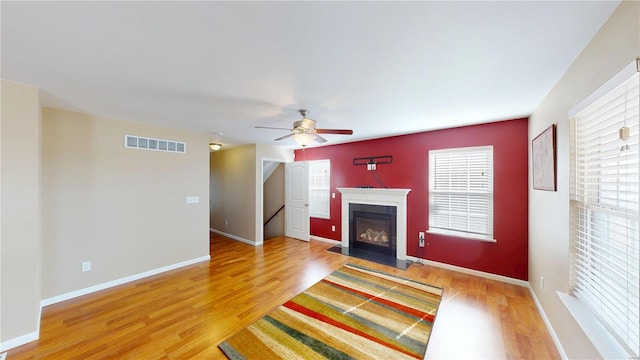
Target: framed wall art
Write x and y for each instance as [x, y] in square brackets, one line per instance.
[543, 158]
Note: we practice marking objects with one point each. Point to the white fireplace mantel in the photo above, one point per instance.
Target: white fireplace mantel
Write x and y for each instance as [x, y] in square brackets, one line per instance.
[378, 196]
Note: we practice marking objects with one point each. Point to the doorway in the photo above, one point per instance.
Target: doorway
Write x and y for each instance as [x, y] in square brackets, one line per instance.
[285, 199]
[273, 199]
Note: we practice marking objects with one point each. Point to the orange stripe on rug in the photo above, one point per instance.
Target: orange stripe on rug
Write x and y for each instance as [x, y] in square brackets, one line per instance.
[303, 310]
[349, 317]
[417, 313]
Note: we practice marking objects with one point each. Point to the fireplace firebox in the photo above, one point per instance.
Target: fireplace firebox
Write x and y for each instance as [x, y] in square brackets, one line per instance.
[373, 228]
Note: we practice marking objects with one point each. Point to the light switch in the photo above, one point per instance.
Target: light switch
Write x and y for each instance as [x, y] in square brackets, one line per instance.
[86, 266]
[192, 199]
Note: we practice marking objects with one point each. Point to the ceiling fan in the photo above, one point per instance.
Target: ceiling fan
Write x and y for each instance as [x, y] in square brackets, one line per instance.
[304, 131]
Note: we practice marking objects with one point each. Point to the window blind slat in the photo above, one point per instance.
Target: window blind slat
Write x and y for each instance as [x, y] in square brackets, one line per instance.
[461, 190]
[605, 199]
[319, 189]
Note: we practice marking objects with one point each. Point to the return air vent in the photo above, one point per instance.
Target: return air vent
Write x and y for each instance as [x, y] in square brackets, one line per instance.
[138, 142]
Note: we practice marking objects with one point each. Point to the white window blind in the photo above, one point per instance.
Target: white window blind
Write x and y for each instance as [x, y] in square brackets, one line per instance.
[461, 192]
[605, 242]
[319, 190]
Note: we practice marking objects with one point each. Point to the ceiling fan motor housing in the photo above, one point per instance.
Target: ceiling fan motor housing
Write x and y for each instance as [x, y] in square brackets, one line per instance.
[306, 124]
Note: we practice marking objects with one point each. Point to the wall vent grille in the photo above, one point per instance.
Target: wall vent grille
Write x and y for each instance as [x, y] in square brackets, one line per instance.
[145, 143]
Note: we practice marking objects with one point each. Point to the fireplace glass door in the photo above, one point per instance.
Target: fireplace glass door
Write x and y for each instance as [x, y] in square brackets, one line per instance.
[373, 227]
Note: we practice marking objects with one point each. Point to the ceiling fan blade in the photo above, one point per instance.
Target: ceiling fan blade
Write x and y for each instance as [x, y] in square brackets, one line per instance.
[270, 127]
[320, 139]
[283, 137]
[335, 131]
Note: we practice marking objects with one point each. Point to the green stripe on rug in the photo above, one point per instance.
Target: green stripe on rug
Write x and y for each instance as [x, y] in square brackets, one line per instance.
[364, 281]
[410, 343]
[315, 345]
[353, 312]
[345, 321]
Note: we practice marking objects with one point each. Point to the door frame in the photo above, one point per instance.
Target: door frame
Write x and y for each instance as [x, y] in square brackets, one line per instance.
[260, 208]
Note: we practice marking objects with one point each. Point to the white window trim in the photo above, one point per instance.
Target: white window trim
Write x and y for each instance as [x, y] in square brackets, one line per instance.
[608, 347]
[328, 200]
[455, 233]
[599, 336]
[461, 235]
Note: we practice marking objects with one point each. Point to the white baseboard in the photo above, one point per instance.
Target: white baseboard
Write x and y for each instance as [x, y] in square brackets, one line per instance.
[20, 340]
[330, 241]
[26, 338]
[252, 243]
[483, 274]
[124, 280]
[556, 341]
[248, 242]
[505, 279]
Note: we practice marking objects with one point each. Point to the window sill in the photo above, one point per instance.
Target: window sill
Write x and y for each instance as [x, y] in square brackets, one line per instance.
[461, 235]
[601, 339]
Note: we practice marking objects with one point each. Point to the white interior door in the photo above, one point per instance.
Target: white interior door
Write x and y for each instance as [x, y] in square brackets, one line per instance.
[296, 202]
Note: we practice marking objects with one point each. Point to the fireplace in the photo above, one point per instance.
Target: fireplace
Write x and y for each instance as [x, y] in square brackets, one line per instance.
[373, 228]
[377, 219]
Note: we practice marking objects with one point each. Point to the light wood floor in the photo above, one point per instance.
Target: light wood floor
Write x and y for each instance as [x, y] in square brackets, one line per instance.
[186, 313]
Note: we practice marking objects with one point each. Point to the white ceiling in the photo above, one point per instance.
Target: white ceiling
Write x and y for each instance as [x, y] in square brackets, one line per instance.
[379, 68]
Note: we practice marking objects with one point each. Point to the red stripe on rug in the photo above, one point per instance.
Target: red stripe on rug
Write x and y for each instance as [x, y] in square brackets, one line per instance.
[407, 309]
[316, 315]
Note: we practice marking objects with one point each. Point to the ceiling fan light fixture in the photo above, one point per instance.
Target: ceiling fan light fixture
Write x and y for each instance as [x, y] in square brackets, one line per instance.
[304, 139]
[304, 131]
[215, 146]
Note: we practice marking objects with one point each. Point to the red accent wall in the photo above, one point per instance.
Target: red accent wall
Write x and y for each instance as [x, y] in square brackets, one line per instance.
[507, 257]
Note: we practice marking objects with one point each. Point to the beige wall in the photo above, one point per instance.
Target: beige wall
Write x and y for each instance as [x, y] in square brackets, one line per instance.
[273, 195]
[20, 234]
[616, 45]
[236, 189]
[233, 192]
[265, 153]
[122, 209]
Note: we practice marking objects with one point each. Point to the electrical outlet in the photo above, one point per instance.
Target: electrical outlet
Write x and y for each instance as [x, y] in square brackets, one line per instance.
[541, 282]
[333, 228]
[86, 266]
[421, 238]
[421, 243]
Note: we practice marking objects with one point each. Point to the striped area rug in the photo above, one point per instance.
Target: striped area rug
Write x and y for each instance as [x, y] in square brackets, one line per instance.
[353, 313]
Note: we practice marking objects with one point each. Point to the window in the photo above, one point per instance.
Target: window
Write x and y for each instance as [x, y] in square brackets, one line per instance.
[319, 190]
[461, 192]
[605, 244]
